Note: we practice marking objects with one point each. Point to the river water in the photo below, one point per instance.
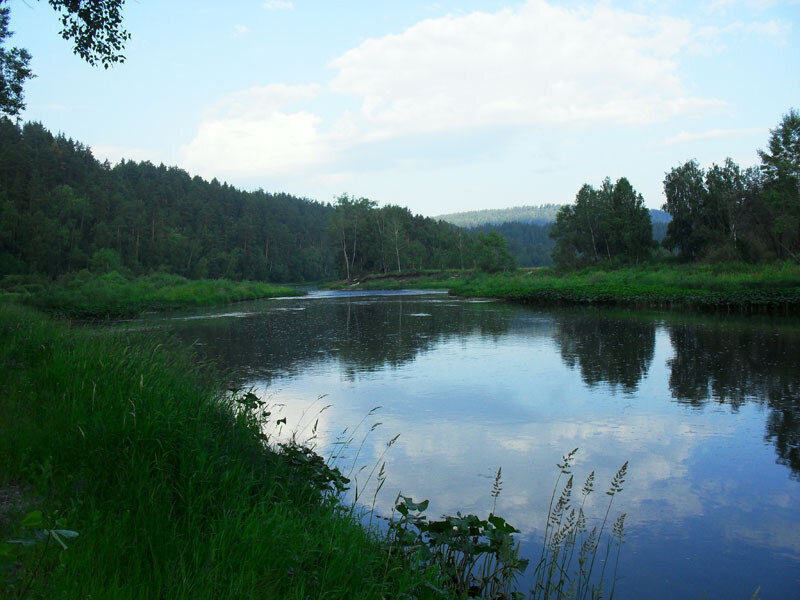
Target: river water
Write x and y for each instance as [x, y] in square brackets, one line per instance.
[706, 409]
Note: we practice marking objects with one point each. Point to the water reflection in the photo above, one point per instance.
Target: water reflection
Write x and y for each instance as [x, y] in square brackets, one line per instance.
[607, 349]
[473, 386]
[281, 339]
[735, 363]
[722, 361]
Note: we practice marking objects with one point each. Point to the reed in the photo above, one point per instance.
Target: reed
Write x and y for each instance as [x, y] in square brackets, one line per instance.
[85, 295]
[174, 488]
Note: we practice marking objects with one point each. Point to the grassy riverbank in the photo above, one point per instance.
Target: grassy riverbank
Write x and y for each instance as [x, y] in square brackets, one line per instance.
[84, 295]
[173, 489]
[727, 286]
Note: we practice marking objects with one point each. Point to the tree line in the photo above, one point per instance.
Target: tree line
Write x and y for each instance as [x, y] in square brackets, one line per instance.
[529, 239]
[720, 213]
[62, 211]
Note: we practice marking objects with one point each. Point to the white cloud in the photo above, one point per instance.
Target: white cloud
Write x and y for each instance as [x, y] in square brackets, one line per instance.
[684, 137]
[240, 31]
[251, 133]
[279, 5]
[255, 102]
[773, 29]
[540, 64]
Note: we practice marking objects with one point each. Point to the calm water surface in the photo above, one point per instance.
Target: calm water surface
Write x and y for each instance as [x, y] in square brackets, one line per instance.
[706, 409]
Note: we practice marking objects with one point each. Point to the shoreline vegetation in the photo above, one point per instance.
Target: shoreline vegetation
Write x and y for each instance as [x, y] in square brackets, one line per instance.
[125, 471]
[174, 489]
[739, 287]
[85, 295]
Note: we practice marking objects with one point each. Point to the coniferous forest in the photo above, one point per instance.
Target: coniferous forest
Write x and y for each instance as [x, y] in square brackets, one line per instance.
[62, 211]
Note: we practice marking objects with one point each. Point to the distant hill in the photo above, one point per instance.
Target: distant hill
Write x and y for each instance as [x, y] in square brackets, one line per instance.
[544, 213]
[527, 229]
[529, 243]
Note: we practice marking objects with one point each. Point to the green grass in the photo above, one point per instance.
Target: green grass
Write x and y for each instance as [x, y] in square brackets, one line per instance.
[85, 295]
[727, 286]
[173, 488]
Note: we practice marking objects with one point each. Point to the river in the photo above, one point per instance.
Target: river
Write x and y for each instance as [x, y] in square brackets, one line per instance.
[706, 409]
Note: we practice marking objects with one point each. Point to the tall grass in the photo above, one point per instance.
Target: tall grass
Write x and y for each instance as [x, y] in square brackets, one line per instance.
[732, 286]
[175, 490]
[85, 295]
[723, 286]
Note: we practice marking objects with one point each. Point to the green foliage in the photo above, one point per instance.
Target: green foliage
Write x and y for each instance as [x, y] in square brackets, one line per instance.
[368, 239]
[607, 224]
[726, 286]
[493, 254]
[105, 260]
[478, 558]
[110, 294]
[14, 70]
[62, 212]
[59, 207]
[710, 209]
[780, 165]
[529, 243]
[24, 560]
[727, 213]
[175, 488]
[95, 27]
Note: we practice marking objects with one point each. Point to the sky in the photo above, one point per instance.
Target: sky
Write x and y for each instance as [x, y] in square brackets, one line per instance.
[437, 106]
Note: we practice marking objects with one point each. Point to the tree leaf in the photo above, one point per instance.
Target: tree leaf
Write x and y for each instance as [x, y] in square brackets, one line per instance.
[33, 519]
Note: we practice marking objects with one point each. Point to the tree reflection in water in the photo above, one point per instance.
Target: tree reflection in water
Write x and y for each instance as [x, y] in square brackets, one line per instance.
[606, 349]
[736, 363]
[726, 361]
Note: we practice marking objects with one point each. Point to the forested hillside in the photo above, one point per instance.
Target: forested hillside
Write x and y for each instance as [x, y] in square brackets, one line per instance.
[545, 213]
[539, 215]
[62, 211]
[529, 243]
[527, 229]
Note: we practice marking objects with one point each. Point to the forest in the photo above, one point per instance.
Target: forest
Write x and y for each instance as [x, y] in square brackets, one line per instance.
[62, 211]
[527, 229]
[723, 213]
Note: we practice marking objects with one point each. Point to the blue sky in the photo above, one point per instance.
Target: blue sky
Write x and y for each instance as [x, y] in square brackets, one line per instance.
[437, 106]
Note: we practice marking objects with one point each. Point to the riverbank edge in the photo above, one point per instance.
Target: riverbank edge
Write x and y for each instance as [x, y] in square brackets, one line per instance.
[111, 295]
[733, 287]
[172, 486]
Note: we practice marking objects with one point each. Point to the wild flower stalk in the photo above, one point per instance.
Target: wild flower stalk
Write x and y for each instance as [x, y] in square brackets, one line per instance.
[561, 573]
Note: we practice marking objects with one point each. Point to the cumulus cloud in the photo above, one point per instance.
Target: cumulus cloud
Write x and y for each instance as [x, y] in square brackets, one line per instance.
[539, 64]
[251, 133]
[533, 66]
